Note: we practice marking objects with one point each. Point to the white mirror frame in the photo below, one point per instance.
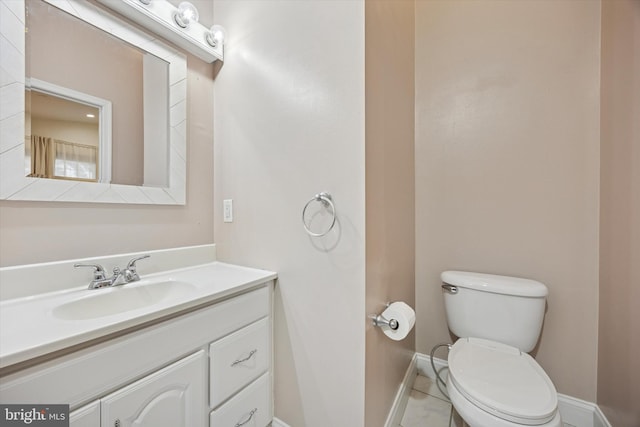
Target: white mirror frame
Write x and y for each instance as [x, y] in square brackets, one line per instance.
[14, 185]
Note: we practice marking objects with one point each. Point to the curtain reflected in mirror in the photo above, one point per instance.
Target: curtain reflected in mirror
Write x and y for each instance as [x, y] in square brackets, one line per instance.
[53, 158]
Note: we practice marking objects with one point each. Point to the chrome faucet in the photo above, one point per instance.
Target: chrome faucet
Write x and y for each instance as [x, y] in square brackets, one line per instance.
[131, 272]
[100, 280]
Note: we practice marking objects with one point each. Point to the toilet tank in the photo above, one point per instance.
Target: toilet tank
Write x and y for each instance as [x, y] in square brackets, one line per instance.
[506, 309]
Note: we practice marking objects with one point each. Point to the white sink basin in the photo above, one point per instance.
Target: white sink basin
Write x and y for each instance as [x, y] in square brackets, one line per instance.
[120, 299]
[40, 324]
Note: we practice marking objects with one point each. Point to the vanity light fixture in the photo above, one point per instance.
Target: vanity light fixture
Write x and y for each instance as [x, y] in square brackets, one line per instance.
[179, 25]
[186, 13]
[216, 36]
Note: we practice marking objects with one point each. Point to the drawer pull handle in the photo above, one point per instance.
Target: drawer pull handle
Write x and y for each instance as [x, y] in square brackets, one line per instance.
[251, 414]
[246, 358]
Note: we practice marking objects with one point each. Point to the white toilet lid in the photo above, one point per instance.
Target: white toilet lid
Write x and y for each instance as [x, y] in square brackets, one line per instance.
[502, 380]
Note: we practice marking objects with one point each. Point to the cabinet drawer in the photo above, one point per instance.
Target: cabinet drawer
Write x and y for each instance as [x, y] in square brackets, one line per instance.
[249, 408]
[238, 359]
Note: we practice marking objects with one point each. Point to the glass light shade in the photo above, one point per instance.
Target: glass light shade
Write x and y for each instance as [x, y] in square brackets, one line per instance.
[186, 13]
[216, 35]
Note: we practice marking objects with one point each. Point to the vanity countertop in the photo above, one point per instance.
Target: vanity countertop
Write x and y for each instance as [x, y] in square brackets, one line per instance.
[38, 325]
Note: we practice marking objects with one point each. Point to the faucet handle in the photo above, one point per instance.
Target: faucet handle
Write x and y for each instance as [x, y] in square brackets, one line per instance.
[130, 272]
[132, 264]
[98, 270]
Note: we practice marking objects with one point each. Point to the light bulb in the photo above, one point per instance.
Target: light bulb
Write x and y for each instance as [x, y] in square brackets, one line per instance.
[186, 13]
[216, 35]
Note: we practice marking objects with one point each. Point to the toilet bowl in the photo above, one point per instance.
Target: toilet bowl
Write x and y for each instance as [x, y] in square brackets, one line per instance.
[492, 380]
[495, 385]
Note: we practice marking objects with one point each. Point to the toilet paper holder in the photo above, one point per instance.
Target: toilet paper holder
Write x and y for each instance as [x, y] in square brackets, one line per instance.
[379, 320]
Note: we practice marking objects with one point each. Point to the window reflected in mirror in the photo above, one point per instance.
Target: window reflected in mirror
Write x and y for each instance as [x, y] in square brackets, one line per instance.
[63, 139]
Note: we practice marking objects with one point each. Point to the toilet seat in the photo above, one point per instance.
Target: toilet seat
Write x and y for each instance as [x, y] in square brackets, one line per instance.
[502, 381]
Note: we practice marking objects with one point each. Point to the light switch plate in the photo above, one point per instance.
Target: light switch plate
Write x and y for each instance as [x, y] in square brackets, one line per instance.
[227, 215]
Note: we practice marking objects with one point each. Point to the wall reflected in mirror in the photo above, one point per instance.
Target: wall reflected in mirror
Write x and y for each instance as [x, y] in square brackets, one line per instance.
[83, 68]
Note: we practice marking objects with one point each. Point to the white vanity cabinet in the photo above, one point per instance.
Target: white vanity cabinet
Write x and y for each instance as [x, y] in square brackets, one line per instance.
[208, 367]
[86, 416]
[173, 396]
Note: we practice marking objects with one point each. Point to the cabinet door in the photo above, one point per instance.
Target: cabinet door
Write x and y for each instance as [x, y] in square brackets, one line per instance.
[172, 397]
[87, 416]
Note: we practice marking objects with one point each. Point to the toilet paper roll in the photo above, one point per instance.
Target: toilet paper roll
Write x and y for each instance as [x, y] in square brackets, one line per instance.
[405, 316]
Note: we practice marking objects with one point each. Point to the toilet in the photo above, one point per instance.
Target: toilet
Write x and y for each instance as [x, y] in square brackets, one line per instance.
[492, 380]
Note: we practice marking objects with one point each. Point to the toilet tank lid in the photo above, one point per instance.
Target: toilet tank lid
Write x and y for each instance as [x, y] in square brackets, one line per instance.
[496, 284]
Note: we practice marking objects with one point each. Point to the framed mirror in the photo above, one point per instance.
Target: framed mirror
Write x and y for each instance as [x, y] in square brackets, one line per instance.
[145, 146]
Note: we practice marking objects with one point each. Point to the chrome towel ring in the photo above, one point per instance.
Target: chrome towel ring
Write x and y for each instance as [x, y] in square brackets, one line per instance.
[327, 202]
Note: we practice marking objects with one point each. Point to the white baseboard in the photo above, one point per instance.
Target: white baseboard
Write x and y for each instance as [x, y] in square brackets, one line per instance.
[276, 422]
[402, 396]
[577, 412]
[599, 420]
[425, 369]
[574, 412]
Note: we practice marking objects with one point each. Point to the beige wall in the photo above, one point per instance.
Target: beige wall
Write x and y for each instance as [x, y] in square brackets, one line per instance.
[619, 340]
[390, 232]
[289, 123]
[507, 174]
[32, 232]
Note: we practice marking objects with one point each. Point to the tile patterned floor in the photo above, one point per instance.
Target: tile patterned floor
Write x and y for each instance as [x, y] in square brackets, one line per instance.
[427, 406]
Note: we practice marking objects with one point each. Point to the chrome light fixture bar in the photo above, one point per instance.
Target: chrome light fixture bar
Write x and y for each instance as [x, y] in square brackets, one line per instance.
[164, 19]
